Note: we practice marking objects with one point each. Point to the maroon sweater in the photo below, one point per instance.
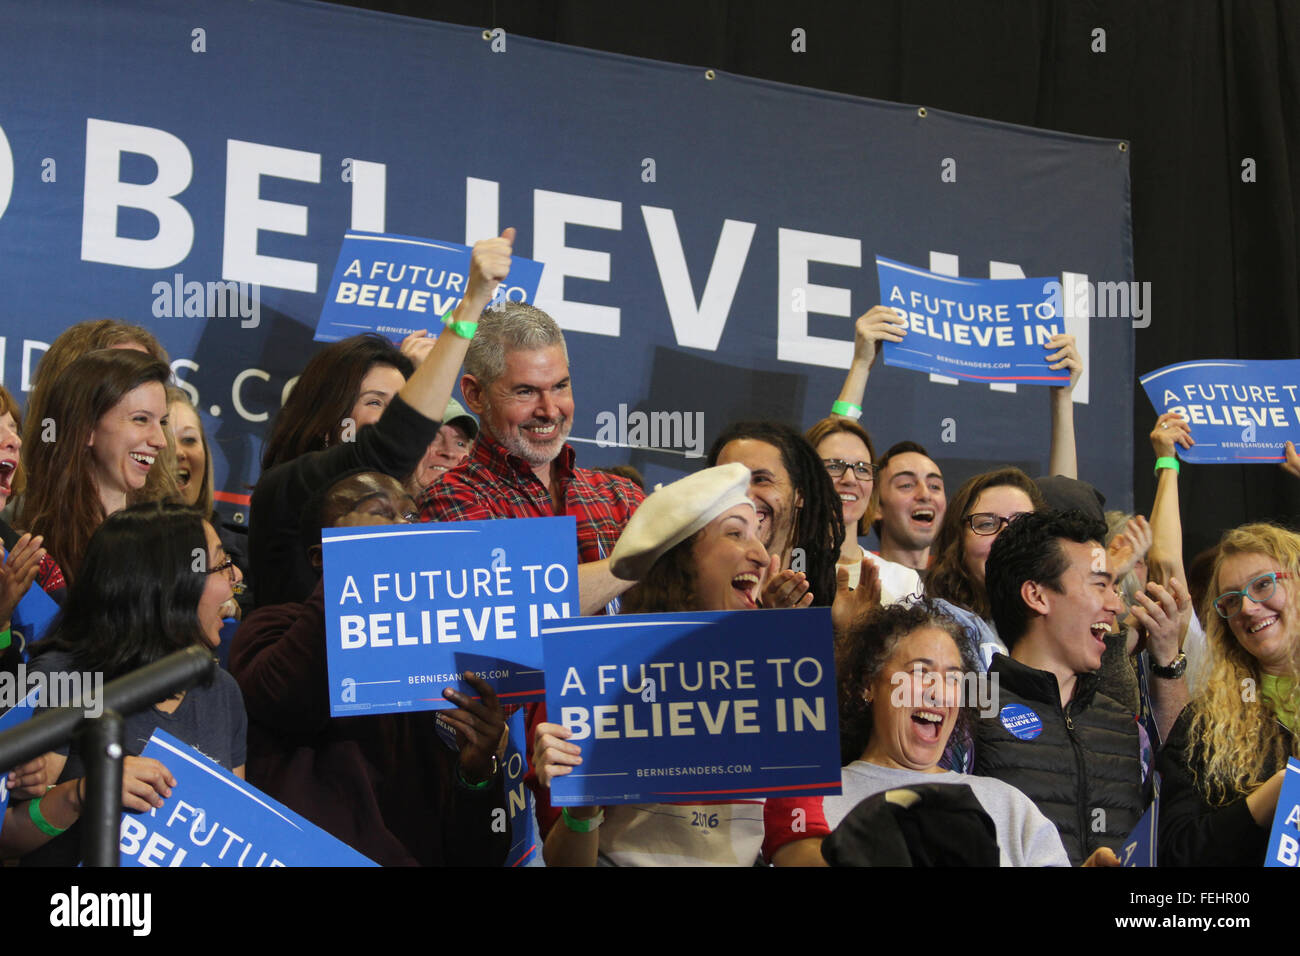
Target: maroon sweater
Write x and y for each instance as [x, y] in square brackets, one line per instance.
[384, 784]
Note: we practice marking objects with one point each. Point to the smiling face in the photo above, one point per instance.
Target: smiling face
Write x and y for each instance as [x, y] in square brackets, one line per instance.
[1267, 631]
[854, 492]
[730, 562]
[529, 407]
[218, 588]
[10, 454]
[449, 448]
[1005, 501]
[912, 502]
[770, 488]
[126, 441]
[378, 387]
[1078, 618]
[915, 700]
[191, 458]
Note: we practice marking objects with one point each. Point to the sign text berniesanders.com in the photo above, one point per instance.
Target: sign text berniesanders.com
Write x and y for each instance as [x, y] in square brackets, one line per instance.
[677, 708]
[1239, 411]
[984, 330]
[409, 609]
[396, 285]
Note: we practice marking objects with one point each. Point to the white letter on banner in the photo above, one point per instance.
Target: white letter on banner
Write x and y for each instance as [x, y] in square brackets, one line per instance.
[105, 194]
[551, 213]
[699, 328]
[6, 171]
[247, 214]
[795, 250]
[481, 202]
[369, 191]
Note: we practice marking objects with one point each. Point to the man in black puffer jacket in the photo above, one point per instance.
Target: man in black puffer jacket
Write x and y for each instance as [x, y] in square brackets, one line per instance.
[1058, 739]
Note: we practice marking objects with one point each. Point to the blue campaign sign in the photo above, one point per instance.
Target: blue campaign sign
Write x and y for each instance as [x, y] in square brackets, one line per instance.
[1140, 847]
[1239, 411]
[11, 718]
[213, 818]
[34, 614]
[409, 609]
[525, 844]
[678, 708]
[1284, 840]
[983, 330]
[396, 285]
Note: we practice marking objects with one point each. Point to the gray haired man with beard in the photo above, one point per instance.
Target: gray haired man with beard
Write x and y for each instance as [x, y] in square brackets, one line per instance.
[517, 381]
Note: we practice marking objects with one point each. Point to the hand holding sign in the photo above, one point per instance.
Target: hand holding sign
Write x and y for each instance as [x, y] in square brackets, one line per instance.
[881, 323]
[1292, 464]
[1065, 355]
[1171, 429]
[489, 266]
[146, 783]
[480, 726]
[553, 756]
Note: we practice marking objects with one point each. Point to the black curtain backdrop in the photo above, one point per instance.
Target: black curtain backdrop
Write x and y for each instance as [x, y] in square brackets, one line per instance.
[1196, 87]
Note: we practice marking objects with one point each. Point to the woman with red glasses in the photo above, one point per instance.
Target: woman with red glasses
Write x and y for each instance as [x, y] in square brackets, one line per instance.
[1225, 760]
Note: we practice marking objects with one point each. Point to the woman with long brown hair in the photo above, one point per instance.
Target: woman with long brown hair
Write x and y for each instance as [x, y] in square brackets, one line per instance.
[104, 428]
[81, 339]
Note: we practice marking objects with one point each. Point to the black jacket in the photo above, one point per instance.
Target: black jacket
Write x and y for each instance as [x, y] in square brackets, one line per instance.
[1082, 768]
[1192, 832]
[276, 554]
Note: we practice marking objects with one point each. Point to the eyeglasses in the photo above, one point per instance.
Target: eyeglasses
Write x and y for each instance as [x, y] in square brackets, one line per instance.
[228, 568]
[986, 523]
[1259, 589]
[863, 469]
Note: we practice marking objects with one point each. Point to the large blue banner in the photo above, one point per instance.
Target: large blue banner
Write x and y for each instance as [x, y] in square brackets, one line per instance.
[983, 330]
[194, 167]
[409, 609]
[1240, 412]
[677, 708]
[213, 818]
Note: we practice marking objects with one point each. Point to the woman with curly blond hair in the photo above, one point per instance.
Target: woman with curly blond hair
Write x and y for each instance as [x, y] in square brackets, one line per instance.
[1225, 760]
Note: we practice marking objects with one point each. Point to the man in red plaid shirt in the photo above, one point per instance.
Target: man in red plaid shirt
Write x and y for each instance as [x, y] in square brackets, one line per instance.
[517, 381]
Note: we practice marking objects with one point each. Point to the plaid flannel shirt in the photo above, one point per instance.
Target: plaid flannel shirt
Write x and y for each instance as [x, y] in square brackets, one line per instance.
[497, 484]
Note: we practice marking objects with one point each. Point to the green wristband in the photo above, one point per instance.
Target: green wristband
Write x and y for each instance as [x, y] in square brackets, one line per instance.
[1166, 462]
[582, 826]
[463, 327]
[6, 638]
[42, 824]
[847, 409]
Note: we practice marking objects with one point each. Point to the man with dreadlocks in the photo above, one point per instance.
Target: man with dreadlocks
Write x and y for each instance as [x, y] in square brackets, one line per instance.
[799, 518]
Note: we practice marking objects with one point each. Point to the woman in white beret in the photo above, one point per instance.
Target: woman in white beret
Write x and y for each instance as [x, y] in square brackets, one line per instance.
[692, 546]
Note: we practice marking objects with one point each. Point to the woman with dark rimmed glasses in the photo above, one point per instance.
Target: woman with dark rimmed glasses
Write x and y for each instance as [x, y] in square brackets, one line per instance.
[1224, 763]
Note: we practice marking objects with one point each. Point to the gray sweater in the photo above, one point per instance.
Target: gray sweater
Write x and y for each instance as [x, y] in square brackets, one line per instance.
[1025, 836]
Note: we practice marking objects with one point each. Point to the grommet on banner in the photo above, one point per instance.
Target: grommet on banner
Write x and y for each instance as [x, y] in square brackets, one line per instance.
[1123, 147]
[487, 34]
[920, 111]
[709, 74]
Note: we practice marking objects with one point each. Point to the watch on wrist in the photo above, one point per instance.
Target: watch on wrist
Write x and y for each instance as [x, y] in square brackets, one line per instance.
[1173, 670]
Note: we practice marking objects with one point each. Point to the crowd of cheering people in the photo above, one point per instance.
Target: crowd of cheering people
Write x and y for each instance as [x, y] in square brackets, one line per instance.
[1110, 664]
